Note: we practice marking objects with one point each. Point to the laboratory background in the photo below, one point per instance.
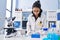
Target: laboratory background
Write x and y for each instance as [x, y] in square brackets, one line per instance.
[16, 12]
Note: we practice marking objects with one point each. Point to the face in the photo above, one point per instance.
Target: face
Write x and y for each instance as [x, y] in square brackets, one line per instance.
[36, 11]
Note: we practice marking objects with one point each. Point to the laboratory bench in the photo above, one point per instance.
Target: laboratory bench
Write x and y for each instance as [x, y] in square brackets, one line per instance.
[43, 37]
[21, 35]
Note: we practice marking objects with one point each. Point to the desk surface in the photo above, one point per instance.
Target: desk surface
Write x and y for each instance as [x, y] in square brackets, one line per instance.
[23, 38]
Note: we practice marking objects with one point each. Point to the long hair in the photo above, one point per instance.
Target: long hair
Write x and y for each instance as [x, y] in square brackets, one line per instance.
[38, 5]
[39, 15]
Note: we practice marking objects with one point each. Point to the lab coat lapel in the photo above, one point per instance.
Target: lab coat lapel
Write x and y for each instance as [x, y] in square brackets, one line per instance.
[33, 23]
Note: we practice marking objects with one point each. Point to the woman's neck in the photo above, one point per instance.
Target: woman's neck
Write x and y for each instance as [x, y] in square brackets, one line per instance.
[36, 16]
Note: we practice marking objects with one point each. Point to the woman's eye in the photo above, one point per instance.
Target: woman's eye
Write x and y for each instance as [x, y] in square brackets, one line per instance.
[36, 11]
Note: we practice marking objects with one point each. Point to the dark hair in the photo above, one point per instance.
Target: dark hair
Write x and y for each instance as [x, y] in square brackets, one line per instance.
[39, 15]
[38, 5]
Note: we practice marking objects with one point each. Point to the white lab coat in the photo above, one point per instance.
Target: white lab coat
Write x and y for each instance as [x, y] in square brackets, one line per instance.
[34, 26]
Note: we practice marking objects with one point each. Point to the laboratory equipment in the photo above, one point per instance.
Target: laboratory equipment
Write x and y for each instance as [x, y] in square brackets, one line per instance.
[52, 24]
[58, 16]
[51, 36]
[59, 37]
[18, 20]
[16, 24]
[45, 38]
[36, 35]
[25, 15]
[58, 21]
[10, 32]
[52, 20]
[24, 24]
[51, 17]
[45, 29]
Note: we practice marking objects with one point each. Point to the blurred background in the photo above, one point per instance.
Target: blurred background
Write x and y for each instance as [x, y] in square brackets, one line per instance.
[21, 9]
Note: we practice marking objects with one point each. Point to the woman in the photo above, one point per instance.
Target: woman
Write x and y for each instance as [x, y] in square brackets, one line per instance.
[36, 20]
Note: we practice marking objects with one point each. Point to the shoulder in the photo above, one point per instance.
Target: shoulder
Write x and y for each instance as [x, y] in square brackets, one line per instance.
[43, 15]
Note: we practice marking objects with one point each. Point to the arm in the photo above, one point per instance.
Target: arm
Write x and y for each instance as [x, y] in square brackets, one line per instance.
[28, 26]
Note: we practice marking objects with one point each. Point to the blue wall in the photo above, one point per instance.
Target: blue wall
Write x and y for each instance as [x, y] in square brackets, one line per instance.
[49, 4]
[46, 4]
[2, 12]
[24, 4]
[58, 4]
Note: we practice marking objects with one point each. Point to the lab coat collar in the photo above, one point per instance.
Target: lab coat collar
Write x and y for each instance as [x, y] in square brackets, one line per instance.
[36, 19]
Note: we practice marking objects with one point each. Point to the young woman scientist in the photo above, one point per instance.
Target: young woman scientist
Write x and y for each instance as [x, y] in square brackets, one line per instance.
[36, 21]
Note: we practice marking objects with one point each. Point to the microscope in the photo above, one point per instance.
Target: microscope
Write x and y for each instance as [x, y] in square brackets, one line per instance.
[10, 30]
